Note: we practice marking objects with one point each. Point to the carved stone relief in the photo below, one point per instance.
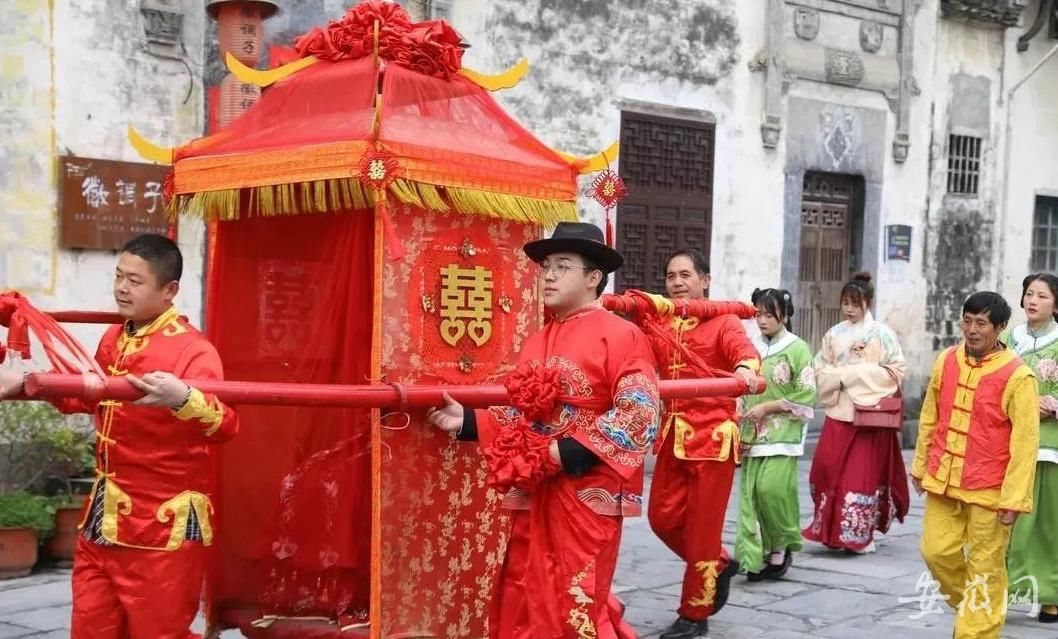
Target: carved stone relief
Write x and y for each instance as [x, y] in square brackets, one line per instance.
[843, 67]
[805, 58]
[770, 130]
[162, 21]
[871, 36]
[838, 130]
[806, 23]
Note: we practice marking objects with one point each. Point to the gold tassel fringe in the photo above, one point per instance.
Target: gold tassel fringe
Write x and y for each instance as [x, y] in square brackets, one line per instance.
[348, 194]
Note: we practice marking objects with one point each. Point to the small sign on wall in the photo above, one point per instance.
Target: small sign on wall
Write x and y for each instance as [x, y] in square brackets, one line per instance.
[105, 203]
[898, 242]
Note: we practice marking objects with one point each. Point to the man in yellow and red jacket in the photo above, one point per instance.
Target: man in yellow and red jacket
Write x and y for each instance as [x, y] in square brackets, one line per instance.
[140, 558]
[699, 446]
[976, 459]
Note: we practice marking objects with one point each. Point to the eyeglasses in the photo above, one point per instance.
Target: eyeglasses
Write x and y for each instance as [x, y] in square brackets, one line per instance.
[560, 269]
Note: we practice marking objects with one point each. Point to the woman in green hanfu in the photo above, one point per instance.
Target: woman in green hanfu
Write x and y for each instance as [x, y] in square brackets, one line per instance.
[1032, 558]
[773, 436]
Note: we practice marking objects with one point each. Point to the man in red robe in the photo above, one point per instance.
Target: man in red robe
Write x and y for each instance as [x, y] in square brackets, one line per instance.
[140, 558]
[572, 449]
[699, 446]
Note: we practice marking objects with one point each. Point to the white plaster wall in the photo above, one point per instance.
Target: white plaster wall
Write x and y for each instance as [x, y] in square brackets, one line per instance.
[73, 77]
[750, 181]
[901, 285]
[1034, 154]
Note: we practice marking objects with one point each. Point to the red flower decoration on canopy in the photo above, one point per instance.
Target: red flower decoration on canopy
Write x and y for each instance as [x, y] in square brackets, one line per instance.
[431, 47]
[378, 168]
[608, 189]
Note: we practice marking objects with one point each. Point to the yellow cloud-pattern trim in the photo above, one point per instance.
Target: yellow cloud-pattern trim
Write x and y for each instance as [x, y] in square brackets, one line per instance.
[499, 81]
[115, 502]
[263, 79]
[149, 150]
[178, 510]
[593, 163]
[209, 412]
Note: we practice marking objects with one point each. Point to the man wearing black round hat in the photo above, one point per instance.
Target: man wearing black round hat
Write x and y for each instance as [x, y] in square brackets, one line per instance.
[571, 451]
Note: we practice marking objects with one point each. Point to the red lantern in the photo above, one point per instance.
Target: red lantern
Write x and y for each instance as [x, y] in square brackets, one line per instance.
[235, 98]
[239, 30]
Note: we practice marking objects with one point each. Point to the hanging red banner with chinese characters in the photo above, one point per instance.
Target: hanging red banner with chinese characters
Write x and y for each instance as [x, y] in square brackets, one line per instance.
[456, 310]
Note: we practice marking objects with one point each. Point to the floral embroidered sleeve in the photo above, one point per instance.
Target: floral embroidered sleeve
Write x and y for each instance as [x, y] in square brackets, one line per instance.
[892, 355]
[827, 376]
[623, 435]
[217, 421]
[800, 400]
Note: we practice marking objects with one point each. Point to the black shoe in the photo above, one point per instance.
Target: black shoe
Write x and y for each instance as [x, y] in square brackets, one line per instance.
[723, 585]
[776, 572]
[1048, 617]
[754, 576]
[684, 628]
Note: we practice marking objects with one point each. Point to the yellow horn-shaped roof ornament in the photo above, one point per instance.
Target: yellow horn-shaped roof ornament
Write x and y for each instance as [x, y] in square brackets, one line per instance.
[593, 163]
[149, 150]
[506, 80]
[271, 76]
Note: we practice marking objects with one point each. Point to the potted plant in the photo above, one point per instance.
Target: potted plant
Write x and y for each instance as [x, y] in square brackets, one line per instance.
[68, 457]
[24, 520]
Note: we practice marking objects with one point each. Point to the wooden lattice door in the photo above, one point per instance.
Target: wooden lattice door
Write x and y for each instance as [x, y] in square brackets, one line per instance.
[668, 167]
[826, 233]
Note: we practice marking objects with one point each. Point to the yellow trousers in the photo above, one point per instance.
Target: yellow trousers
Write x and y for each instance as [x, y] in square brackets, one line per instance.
[965, 548]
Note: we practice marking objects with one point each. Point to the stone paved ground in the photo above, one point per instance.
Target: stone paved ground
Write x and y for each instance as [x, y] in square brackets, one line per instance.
[826, 595]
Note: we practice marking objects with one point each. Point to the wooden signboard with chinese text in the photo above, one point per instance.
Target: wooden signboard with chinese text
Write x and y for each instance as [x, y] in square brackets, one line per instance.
[105, 203]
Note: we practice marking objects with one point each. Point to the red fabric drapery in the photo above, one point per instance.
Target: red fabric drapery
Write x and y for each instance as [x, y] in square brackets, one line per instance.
[290, 300]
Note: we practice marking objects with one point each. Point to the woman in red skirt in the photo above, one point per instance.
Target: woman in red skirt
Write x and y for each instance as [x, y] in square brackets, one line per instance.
[858, 480]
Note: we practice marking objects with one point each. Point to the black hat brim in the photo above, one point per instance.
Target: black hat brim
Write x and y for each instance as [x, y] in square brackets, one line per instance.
[597, 253]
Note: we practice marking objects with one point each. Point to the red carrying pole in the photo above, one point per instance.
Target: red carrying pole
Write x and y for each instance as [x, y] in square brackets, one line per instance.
[393, 396]
[637, 303]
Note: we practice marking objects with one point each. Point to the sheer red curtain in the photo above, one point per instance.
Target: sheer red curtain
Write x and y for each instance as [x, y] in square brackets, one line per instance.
[290, 299]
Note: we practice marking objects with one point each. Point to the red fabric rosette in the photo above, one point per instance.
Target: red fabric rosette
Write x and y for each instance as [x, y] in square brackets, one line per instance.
[352, 37]
[431, 47]
[519, 458]
[534, 389]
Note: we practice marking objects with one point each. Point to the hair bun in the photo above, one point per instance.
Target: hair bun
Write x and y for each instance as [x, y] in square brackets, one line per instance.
[862, 276]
